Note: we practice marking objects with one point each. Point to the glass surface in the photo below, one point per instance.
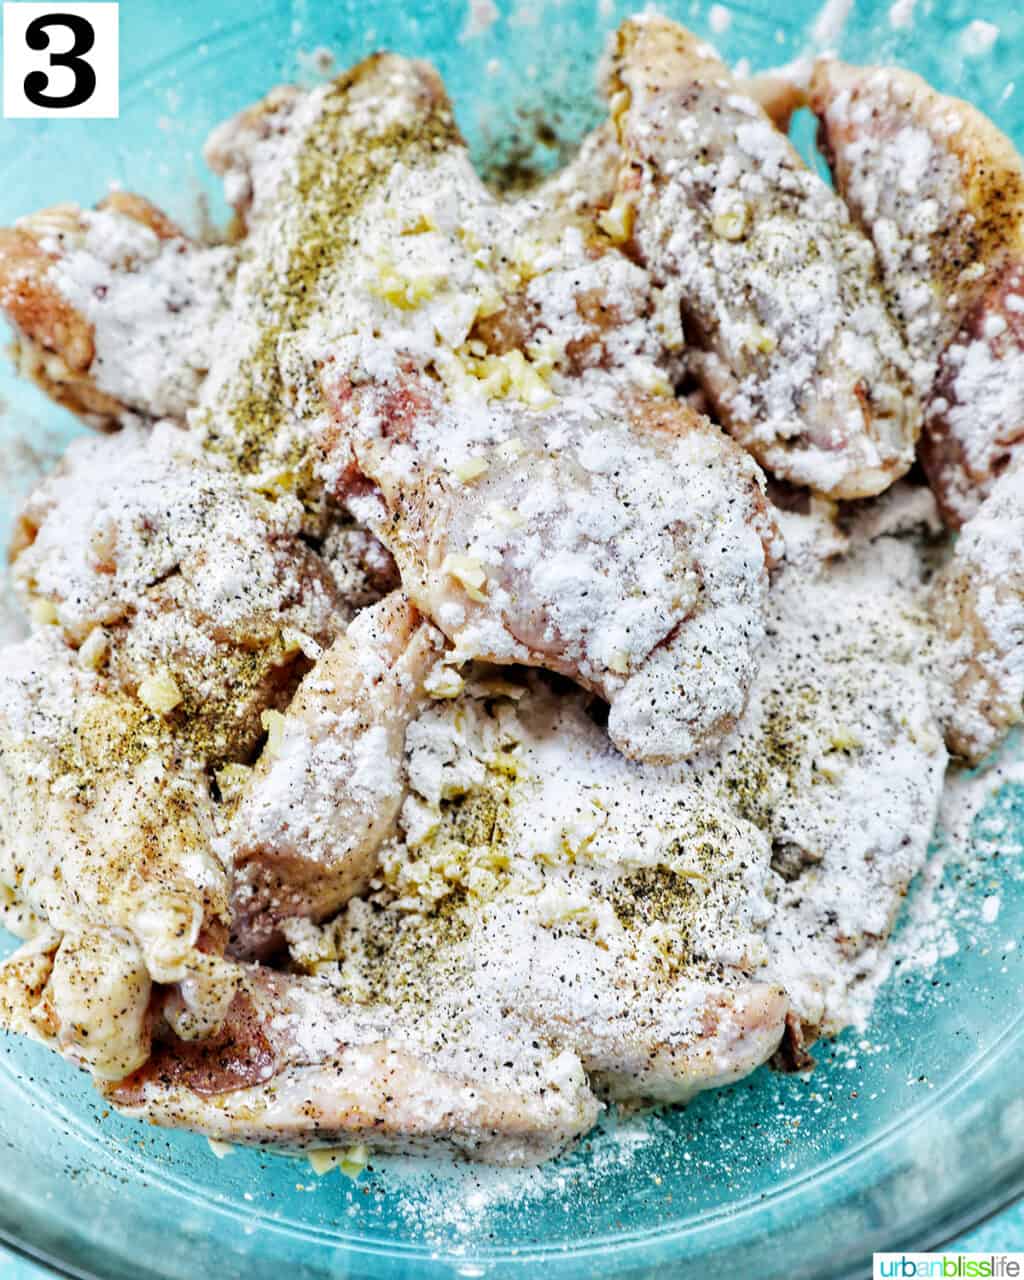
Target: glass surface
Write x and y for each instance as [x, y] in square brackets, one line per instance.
[906, 1133]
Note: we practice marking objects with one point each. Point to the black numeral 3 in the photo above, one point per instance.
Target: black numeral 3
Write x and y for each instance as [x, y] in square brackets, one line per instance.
[36, 82]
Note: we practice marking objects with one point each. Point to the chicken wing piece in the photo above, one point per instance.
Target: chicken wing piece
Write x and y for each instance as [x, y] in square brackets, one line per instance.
[327, 790]
[974, 418]
[941, 192]
[978, 602]
[115, 310]
[195, 594]
[839, 761]
[295, 1067]
[639, 1038]
[327, 193]
[779, 292]
[106, 823]
[246, 151]
[626, 546]
[85, 995]
[614, 911]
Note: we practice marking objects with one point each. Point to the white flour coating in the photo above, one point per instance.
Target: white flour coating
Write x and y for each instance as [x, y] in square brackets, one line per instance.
[978, 37]
[901, 15]
[155, 305]
[828, 25]
[853, 804]
[100, 536]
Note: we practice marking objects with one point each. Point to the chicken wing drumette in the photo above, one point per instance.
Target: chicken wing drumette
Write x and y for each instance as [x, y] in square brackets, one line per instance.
[941, 192]
[106, 831]
[115, 310]
[779, 292]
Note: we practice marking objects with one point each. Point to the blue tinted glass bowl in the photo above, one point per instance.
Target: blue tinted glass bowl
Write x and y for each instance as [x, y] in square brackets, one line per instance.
[908, 1131]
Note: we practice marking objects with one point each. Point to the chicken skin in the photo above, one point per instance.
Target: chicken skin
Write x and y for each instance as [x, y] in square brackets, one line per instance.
[295, 1067]
[85, 994]
[779, 292]
[941, 192]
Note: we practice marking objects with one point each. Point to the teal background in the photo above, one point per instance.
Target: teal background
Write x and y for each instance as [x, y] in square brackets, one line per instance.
[935, 1136]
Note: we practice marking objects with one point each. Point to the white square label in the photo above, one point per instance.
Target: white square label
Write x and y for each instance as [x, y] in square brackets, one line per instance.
[60, 60]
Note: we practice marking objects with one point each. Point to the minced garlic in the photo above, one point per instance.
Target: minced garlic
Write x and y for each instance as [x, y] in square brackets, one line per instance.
[273, 722]
[159, 692]
[469, 572]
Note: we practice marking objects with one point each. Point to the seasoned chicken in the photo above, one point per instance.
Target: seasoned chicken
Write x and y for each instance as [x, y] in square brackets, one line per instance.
[85, 994]
[294, 1066]
[839, 760]
[627, 547]
[978, 601]
[402, 275]
[115, 310]
[542, 884]
[326, 791]
[941, 192]
[579, 808]
[106, 822]
[571, 300]
[195, 594]
[779, 291]
[309, 182]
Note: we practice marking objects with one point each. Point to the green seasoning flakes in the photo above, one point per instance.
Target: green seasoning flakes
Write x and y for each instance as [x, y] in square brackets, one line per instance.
[338, 168]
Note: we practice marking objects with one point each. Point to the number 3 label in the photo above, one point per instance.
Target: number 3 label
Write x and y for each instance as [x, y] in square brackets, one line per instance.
[60, 60]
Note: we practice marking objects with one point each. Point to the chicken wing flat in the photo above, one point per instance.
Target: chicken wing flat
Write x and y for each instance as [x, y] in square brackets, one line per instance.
[840, 760]
[194, 593]
[941, 192]
[627, 547]
[978, 600]
[778, 289]
[115, 310]
[295, 1067]
[326, 791]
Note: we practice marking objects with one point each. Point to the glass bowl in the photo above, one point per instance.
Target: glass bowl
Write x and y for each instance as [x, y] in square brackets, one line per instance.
[908, 1131]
